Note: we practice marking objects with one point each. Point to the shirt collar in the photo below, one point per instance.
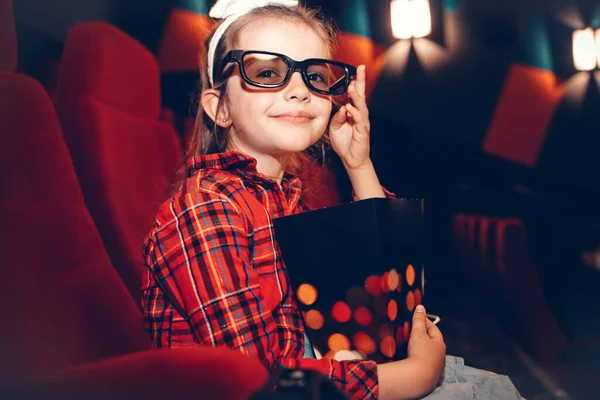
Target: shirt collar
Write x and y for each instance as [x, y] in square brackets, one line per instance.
[239, 164]
[227, 161]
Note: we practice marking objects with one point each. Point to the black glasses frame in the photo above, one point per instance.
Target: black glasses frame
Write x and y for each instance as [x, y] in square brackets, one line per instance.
[237, 56]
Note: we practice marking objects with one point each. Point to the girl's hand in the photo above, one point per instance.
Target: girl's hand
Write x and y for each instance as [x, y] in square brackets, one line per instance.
[426, 347]
[418, 374]
[350, 128]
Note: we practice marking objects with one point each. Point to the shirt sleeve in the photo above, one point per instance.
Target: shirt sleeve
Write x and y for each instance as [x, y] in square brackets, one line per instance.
[201, 260]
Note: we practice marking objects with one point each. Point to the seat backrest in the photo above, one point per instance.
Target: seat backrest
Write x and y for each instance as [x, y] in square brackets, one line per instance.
[525, 293]
[487, 238]
[473, 231]
[511, 243]
[61, 302]
[8, 37]
[125, 156]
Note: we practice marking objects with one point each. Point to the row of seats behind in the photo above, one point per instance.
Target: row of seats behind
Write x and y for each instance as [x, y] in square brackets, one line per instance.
[494, 252]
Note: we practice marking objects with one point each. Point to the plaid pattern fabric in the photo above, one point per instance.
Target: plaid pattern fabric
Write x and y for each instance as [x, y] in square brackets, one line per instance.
[215, 275]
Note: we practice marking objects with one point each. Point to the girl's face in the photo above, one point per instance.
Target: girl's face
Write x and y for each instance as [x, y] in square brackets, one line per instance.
[277, 122]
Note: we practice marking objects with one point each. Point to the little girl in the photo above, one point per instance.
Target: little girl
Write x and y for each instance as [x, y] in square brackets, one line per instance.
[215, 275]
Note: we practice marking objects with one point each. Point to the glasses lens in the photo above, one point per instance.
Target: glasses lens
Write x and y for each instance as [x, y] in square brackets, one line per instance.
[265, 69]
[328, 77]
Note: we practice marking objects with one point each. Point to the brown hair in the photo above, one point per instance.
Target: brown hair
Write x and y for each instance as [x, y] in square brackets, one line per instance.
[208, 137]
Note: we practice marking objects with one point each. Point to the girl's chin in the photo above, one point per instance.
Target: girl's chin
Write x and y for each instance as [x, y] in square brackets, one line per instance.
[294, 147]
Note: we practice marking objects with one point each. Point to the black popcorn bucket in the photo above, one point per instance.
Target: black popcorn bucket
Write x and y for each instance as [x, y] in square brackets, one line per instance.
[357, 273]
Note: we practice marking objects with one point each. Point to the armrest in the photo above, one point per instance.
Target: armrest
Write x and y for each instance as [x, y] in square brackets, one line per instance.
[176, 373]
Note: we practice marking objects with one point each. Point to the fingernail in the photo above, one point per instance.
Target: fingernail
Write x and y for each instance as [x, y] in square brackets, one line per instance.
[420, 308]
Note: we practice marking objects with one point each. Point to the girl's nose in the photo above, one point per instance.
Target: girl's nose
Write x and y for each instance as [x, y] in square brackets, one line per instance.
[296, 88]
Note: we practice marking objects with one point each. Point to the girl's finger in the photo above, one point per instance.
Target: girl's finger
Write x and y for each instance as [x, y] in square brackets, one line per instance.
[357, 99]
[361, 78]
[339, 118]
[357, 116]
[435, 333]
[428, 323]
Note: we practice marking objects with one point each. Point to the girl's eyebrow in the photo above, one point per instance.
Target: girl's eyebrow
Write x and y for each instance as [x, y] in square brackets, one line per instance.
[255, 60]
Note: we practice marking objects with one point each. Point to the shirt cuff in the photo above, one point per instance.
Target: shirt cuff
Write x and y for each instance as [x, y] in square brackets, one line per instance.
[388, 194]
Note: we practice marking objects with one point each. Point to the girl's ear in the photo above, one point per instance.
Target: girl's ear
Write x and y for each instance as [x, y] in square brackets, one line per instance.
[210, 101]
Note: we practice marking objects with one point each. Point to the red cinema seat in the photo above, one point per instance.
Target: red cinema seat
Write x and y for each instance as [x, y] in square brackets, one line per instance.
[201, 372]
[124, 155]
[536, 325]
[495, 295]
[472, 254]
[472, 231]
[61, 301]
[71, 329]
[487, 248]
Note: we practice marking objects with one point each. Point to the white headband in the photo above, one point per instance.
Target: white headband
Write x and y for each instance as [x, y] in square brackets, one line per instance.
[231, 10]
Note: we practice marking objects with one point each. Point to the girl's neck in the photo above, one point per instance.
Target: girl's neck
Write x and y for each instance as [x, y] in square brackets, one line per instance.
[269, 165]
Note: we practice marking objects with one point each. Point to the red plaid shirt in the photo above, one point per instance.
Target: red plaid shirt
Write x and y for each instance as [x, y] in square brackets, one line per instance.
[215, 275]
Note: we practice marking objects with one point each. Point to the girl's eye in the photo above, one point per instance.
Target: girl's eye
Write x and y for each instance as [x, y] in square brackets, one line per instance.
[316, 77]
[268, 73]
